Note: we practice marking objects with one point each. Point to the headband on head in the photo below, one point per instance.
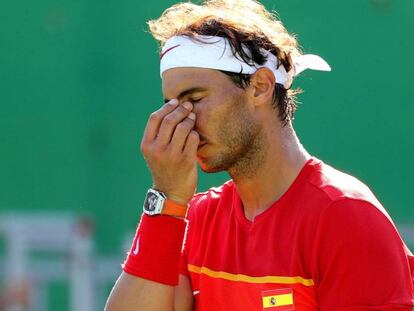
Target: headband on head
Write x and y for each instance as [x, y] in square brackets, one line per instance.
[215, 53]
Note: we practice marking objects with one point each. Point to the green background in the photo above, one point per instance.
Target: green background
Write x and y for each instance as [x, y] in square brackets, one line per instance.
[79, 78]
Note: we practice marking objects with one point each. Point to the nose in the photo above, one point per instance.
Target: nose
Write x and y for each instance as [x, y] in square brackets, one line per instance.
[196, 111]
[200, 116]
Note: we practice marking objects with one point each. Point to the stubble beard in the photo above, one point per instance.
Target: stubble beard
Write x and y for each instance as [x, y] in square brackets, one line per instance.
[242, 145]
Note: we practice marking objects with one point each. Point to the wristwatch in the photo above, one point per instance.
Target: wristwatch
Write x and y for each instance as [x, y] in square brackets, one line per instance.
[157, 203]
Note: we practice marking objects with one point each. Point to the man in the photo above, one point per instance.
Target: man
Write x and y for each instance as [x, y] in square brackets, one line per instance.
[287, 232]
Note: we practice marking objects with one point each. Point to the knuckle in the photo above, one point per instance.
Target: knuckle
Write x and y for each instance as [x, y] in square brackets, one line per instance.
[157, 149]
[144, 148]
[182, 109]
[186, 125]
[188, 160]
[175, 116]
[169, 119]
[157, 155]
[154, 116]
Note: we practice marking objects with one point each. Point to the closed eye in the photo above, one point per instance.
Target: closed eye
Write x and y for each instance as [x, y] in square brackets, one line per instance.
[195, 100]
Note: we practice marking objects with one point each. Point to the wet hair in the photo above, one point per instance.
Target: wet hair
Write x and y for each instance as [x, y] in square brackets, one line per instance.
[245, 24]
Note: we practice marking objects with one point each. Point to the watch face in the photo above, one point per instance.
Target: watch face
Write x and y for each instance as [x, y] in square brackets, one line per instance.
[151, 202]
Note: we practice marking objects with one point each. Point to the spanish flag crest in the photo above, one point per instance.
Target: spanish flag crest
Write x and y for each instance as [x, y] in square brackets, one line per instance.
[278, 299]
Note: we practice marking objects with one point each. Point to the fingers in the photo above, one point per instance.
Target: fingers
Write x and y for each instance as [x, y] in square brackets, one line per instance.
[181, 132]
[156, 118]
[171, 129]
[169, 147]
[191, 145]
[172, 121]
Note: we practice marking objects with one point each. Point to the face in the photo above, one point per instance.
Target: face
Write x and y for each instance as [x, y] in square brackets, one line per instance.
[229, 133]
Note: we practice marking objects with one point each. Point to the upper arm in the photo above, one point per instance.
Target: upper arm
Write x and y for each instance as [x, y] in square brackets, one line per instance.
[134, 293]
[361, 262]
[183, 296]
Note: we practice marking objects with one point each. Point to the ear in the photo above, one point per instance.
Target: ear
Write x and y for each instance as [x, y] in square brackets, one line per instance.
[263, 86]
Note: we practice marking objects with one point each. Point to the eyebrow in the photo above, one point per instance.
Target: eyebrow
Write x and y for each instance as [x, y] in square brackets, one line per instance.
[187, 92]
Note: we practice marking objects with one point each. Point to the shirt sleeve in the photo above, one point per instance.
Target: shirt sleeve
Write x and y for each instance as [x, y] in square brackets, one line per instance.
[360, 260]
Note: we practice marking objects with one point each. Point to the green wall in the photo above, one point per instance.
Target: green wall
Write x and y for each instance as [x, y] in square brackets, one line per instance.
[79, 78]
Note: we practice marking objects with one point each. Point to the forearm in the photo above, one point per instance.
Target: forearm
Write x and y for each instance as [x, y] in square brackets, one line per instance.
[151, 270]
[135, 293]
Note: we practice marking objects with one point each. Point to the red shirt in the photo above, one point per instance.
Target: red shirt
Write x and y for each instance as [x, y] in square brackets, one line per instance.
[326, 244]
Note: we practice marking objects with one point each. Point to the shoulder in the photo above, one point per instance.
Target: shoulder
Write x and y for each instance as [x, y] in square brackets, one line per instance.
[359, 221]
[337, 186]
[347, 198]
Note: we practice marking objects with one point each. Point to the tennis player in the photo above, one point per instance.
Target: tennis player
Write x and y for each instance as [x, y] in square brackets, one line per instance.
[287, 232]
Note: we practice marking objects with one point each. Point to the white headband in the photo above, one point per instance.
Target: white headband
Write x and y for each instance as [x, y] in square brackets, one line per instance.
[216, 53]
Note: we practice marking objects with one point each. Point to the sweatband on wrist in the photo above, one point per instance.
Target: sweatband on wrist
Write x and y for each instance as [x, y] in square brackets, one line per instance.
[156, 249]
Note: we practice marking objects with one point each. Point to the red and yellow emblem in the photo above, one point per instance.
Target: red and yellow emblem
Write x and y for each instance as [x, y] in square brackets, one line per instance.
[278, 299]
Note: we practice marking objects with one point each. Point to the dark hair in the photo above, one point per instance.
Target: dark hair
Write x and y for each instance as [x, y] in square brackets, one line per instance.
[283, 100]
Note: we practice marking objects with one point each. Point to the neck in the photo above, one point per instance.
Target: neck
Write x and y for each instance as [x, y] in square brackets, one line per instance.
[277, 166]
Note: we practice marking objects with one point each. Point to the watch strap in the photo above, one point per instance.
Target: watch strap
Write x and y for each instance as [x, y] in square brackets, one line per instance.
[174, 209]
